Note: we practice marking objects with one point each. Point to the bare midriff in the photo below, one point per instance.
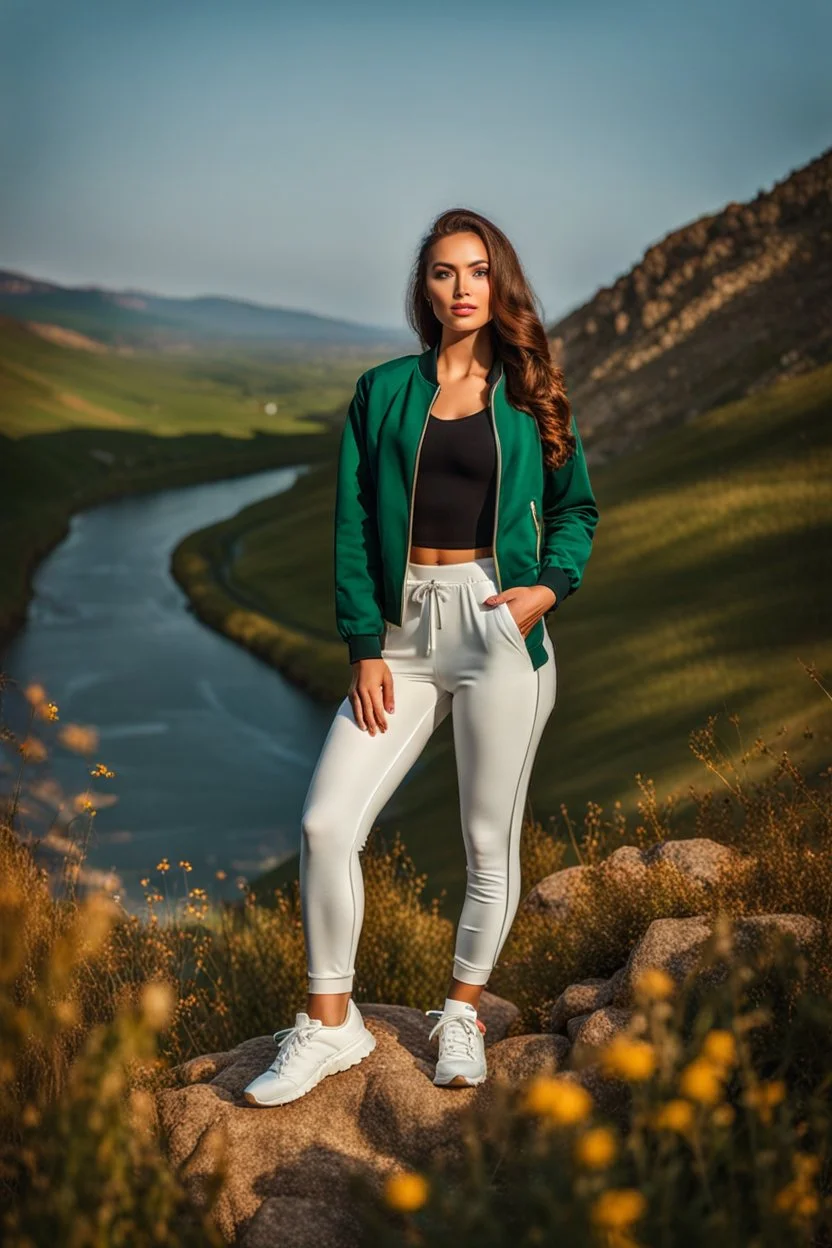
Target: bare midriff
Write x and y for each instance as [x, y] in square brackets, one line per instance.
[428, 554]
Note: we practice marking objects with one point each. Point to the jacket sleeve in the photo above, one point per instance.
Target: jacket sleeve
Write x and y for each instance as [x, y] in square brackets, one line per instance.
[358, 570]
[570, 516]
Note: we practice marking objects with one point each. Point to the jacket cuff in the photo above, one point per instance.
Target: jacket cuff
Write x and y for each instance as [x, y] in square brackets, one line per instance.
[558, 581]
[364, 646]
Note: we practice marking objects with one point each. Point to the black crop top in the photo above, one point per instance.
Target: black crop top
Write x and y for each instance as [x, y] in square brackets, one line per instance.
[453, 506]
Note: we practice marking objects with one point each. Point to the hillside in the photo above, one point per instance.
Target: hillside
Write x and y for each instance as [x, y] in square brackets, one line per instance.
[716, 310]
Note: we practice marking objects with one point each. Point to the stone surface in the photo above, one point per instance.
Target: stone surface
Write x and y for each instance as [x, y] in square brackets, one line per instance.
[698, 858]
[289, 1165]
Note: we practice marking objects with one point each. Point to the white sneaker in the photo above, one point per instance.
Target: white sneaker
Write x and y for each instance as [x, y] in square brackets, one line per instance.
[308, 1051]
[461, 1046]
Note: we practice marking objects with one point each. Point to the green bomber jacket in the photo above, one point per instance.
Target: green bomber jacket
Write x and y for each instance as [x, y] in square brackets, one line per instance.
[544, 519]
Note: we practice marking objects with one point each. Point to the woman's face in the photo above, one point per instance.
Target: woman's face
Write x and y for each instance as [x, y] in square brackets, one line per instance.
[458, 282]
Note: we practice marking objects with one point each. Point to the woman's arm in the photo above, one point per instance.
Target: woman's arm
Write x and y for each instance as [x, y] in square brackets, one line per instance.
[358, 570]
[570, 516]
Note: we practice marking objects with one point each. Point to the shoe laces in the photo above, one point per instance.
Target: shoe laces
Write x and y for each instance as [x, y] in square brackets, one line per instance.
[458, 1033]
[291, 1040]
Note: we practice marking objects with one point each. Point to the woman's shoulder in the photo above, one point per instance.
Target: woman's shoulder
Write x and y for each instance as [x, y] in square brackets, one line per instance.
[389, 371]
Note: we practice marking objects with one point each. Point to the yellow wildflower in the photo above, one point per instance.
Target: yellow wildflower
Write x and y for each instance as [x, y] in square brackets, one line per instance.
[701, 1081]
[562, 1100]
[653, 984]
[763, 1096]
[596, 1148]
[618, 1207]
[720, 1047]
[674, 1115]
[629, 1058]
[405, 1191]
[157, 1003]
[723, 1115]
[33, 750]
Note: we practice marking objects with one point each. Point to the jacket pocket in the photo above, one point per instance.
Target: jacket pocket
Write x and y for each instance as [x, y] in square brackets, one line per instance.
[537, 529]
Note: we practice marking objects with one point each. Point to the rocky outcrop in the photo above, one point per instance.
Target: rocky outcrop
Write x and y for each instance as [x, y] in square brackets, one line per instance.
[715, 310]
[593, 1011]
[289, 1166]
[699, 859]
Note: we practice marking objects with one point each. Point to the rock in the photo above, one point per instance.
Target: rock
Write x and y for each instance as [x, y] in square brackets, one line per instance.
[521, 1057]
[553, 894]
[575, 1022]
[598, 1028]
[675, 945]
[289, 1166]
[581, 998]
[698, 858]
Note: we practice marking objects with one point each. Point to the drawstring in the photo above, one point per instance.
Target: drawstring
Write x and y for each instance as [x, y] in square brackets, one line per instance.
[433, 591]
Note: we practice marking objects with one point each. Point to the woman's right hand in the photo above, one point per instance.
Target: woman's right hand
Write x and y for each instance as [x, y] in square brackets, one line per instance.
[371, 694]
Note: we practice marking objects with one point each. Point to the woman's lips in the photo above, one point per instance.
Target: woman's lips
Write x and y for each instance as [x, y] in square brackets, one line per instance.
[463, 310]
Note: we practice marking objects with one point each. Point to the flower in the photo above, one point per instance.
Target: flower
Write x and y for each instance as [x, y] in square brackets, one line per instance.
[596, 1148]
[653, 983]
[405, 1190]
[631, 1059]
[723, 1115]
[674, 1115]
[560, 1099]
[618, 1207]
[157, 1003]
[720, 1047]
[701, 1080]
[763, 1096]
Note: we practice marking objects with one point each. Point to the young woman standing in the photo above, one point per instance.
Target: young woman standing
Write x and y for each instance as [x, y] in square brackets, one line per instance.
[464, 515]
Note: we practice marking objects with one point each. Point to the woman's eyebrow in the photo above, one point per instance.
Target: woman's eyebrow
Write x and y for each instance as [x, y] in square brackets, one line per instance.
[443, 264]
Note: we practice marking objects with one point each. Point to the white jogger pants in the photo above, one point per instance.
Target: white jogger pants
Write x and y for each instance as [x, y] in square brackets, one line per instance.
[452, 653]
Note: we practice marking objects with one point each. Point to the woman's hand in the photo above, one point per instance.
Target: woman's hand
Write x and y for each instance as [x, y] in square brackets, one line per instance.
[371, 694]
[530, 603]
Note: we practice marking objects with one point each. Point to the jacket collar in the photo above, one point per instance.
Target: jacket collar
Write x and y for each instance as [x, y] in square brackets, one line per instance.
[427, 366]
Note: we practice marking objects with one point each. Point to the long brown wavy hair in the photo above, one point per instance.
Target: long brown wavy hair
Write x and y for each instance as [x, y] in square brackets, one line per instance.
[534, 383]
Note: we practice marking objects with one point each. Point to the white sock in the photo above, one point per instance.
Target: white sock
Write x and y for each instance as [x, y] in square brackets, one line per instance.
[452, 1006]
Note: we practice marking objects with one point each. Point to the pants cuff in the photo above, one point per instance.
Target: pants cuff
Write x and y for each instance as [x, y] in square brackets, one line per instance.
[330, 983]
[470, 974]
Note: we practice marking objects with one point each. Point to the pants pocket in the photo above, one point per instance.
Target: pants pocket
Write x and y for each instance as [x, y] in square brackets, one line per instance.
[509, 627]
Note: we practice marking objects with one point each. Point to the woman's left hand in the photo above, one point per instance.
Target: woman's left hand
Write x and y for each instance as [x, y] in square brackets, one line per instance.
[530, 603]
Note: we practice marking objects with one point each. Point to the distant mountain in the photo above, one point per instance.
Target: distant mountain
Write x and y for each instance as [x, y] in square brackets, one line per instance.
[130, 319]
[718, 309]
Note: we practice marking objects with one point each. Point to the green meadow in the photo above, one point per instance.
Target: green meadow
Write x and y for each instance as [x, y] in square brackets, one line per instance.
[707, 592]
[78, 426]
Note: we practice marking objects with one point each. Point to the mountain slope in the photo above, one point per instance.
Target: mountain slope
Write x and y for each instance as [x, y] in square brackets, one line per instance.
[716, 310]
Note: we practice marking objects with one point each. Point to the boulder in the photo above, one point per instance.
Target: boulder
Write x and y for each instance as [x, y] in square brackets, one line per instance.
[581, 998]
[675, 945]
[289, 1166]
[697, 857]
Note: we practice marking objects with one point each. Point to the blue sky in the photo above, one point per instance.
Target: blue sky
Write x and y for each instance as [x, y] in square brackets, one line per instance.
[294, 155]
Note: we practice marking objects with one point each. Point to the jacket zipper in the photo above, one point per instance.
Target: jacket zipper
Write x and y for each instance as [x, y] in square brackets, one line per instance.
[412, 495]
[497, 495]
[536, 526]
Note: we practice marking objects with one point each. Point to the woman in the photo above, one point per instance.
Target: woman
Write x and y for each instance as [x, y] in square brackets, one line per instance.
[464, 515]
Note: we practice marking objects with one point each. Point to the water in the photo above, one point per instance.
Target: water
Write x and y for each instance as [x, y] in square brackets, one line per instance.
[212, 749]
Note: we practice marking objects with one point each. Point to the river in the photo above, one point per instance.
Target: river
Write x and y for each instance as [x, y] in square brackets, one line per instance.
[212, 749]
